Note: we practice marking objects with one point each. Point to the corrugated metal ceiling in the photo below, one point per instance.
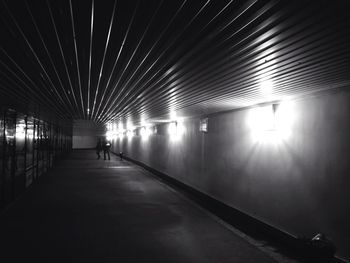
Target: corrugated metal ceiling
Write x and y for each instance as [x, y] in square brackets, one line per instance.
[133, 60]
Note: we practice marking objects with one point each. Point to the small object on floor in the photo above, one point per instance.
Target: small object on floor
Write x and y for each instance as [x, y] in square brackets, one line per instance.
[319, 248]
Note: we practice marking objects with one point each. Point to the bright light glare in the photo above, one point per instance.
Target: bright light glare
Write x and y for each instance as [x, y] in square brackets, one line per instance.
[172, 128]
[20, 131]
[173, 115]
[180, 128]
[120, 130]
[130, 134]
[109, 135]
[120, 126]
[266, 87]
[30, 133]
[271, 125]
[145, 132]
[176, 130]
[284, 119]
[120, 134]
[262, 118]
[112, 131]
[129, 126]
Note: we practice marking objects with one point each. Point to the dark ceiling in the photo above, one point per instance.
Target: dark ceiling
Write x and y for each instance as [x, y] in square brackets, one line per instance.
[131, 60]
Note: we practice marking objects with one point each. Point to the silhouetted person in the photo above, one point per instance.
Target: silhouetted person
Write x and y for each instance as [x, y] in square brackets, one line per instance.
[121, 156]
[98, 148]
[106, 146]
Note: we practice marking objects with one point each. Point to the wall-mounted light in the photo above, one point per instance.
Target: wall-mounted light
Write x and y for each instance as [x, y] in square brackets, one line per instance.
[203, 125]
[129, 133]
[20, 131]
[145, 132]
[109, 126]
[176, 130]
[271, 123]
[284, 119]
[112, 131]
[30, 133]
[109, 135]
[120, 135]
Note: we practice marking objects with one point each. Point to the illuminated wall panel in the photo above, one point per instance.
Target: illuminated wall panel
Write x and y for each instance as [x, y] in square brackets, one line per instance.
[289, 168]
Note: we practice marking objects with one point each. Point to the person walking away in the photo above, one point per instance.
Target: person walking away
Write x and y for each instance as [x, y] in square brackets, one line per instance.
[106, 146]
[98, 148]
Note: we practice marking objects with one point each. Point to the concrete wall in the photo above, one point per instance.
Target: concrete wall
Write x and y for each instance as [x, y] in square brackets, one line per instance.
[299, 184]
[86, 134]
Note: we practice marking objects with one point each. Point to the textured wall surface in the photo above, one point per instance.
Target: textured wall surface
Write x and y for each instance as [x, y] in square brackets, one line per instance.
[299, 184]
[86, 134]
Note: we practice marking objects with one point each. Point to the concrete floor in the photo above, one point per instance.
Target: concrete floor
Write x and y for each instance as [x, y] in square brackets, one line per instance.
[88, 210]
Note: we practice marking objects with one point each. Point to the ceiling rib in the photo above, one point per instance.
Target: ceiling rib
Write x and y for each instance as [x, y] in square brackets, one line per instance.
[131, 60]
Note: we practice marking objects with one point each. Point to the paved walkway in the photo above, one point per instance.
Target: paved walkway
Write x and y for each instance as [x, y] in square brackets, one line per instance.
[88, 210]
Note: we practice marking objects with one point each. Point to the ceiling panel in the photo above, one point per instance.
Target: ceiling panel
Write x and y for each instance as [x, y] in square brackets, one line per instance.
[141, 60]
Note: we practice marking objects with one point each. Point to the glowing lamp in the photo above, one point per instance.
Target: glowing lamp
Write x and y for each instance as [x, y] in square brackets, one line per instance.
[145, 132]
[20, 131]
[172, 129]
[271, 123]
[129, 133]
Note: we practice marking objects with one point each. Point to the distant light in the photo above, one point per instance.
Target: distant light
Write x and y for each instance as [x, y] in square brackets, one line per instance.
[121, 134]
[145, 132]
[161, 120]
[120, 127]
[143, 121]
[112, 132]
[129, 125]
[203, 125]
[30, 133]
[129, 134]
[109, 135]
[20, 131]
